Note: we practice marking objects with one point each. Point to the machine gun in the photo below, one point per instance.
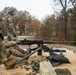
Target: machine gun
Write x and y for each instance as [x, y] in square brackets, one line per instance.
[40, 47]
[31, 42]
[40, 43]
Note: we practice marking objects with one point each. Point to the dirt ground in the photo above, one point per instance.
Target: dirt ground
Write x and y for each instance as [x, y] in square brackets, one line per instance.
[20, 69]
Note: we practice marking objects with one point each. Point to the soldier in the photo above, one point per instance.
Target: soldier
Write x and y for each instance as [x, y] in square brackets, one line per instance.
[11, 34]
[5, 53]
[15, 51]
[8, 49]
[2, 49]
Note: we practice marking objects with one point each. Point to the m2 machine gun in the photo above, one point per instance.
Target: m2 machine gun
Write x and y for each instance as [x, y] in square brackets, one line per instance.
[41, 47]
[40, 43]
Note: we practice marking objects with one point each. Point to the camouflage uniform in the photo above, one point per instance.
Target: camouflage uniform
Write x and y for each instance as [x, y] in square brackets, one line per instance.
[2, 52]
[11, 35]
[3, 56]
[16, 51]
[5, 52]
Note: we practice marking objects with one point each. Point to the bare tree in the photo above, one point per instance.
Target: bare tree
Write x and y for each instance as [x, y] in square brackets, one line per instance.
[64, 7]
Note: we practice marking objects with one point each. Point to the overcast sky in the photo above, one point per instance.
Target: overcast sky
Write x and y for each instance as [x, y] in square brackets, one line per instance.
[37, 8]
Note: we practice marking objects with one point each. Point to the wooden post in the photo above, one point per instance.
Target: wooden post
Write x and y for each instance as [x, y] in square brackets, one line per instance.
[46, 68]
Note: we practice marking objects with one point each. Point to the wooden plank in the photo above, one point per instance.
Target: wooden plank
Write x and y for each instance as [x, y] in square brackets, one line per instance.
[46, 68]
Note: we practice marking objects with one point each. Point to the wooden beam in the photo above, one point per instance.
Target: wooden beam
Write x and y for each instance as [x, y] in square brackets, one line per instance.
[46, 68]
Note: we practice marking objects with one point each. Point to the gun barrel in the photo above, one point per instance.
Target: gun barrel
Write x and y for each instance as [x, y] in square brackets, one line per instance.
[59, 42]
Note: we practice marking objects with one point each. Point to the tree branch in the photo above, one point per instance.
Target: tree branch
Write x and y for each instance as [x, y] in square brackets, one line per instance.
[62, 4]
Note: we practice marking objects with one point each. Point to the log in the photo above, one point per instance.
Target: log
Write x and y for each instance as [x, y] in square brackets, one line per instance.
[46, 68]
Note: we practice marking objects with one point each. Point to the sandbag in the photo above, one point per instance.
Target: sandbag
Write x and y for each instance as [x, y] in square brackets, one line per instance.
[64, 71]
[56, 59]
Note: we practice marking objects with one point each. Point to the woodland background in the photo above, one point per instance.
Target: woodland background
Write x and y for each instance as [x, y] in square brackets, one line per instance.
[59, 26]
